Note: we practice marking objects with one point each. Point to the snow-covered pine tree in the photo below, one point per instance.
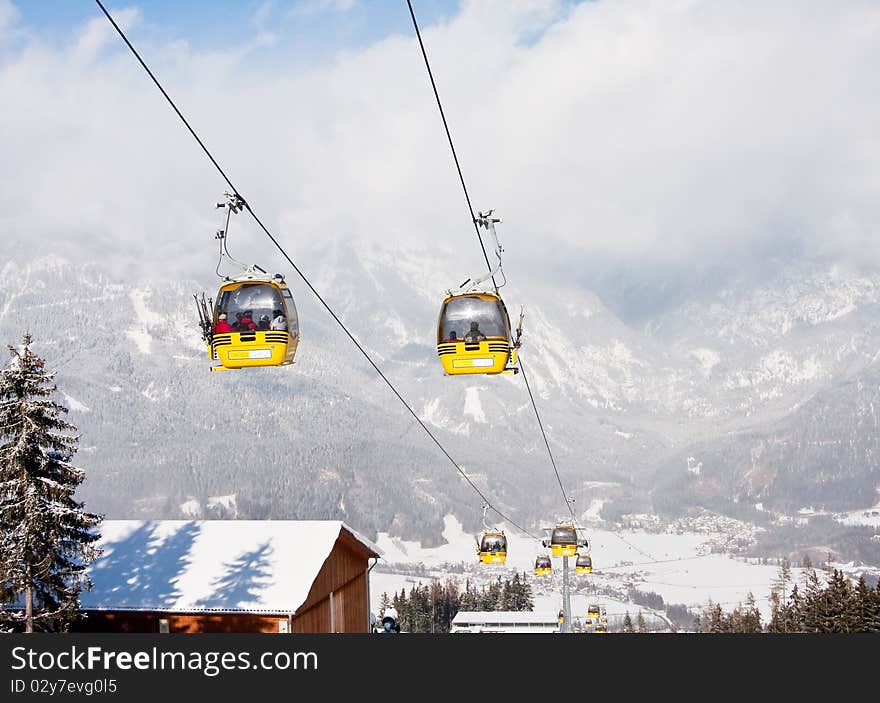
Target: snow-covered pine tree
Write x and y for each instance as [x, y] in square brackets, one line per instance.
[794, 612]
[641, 625]
[628, 623]
[47, 536]
[780, 583]
[814, 612]
[751, 617]
[523, 591]
[505, 600]
[868, 607]
[839, 605]
[713, 618]
[384, 604]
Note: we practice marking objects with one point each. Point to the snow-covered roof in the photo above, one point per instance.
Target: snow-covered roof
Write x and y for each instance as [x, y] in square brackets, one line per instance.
[220, 565]
[475, 617]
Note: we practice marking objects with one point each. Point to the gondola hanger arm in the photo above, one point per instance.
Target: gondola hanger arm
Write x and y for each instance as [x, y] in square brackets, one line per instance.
[486, 220]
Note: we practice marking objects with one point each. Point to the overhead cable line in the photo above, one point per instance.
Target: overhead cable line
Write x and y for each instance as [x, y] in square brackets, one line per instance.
[480, 239]
[632, 546]
[544, 435]
[305, 280]
[618, 567]
[449, 138]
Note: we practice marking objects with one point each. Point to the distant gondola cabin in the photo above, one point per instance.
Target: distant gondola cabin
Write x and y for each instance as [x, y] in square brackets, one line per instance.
[564, 541]
[584, 564]
[543, 566]
[493, 548]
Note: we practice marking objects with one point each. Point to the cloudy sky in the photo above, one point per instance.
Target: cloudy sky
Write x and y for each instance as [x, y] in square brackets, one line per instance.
[623, 135]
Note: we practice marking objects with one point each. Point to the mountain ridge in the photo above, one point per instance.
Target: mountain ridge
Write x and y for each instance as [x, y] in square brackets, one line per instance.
[621, 404]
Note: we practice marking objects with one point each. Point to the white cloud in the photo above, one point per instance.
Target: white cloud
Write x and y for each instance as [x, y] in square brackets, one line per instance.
[9, 14]
[9, 18]
[312, 7]
[98, 33]
[630, 130]
[263, 12]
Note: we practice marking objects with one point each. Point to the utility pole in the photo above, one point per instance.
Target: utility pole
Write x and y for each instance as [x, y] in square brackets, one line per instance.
[566, 598]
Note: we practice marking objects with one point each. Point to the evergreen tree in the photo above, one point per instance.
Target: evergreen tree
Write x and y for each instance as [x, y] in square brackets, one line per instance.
[401, 605]
[783, 578]
[875, 609]
[504, 599]
[835, 607]
[641, 626]
[750, 619]
[813, 612]
[420, 609]
[827, 565]
[777, 613]
[526, 602]
[437, 596]
[867, 608]
[807, 566]
[467, 602]
[48, 538]
[713, 618]
[794, 614]
[451, 603]
[491, 597]
[628, 623]
[520, 597]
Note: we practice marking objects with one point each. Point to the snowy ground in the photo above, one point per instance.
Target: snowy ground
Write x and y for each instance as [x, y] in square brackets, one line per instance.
[678, 566]
[870, 517]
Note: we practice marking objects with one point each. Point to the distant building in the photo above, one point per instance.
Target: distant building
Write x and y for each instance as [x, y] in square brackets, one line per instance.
[229, 576]
[504, 621]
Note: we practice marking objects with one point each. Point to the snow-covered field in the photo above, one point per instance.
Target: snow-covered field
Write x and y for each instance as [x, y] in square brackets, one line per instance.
[677, 565]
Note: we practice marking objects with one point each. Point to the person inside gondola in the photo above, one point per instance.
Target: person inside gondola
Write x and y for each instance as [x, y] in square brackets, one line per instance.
[278, 321]
[264, 322]
[222, 325]
[453, 336]
[474, 334]
[246, 322]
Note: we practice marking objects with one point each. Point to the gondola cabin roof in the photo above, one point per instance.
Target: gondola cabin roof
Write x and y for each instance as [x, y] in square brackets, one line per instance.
[488, 296]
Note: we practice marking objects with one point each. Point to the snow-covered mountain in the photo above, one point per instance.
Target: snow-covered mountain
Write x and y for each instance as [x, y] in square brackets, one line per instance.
[752, 393]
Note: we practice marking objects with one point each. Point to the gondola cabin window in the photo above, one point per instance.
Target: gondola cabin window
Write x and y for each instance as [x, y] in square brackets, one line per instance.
[253, 306]
[493, 543]
[564, 536]
[292, 318]
[472, 319]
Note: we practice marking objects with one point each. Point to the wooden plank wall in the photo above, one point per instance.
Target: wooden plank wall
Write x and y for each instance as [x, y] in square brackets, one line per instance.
[139, 621]
[344, 573]
[349, 605]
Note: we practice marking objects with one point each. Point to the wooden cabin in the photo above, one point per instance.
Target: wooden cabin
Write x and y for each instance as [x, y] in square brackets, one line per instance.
[229, 576]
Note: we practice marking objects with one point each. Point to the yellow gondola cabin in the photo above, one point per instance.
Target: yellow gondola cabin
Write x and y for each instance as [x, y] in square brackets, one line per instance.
[564, 541]
[473, 335]
[584, 564]
[543, 565]
[493, 548]
[596, 613]
[254, 323]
